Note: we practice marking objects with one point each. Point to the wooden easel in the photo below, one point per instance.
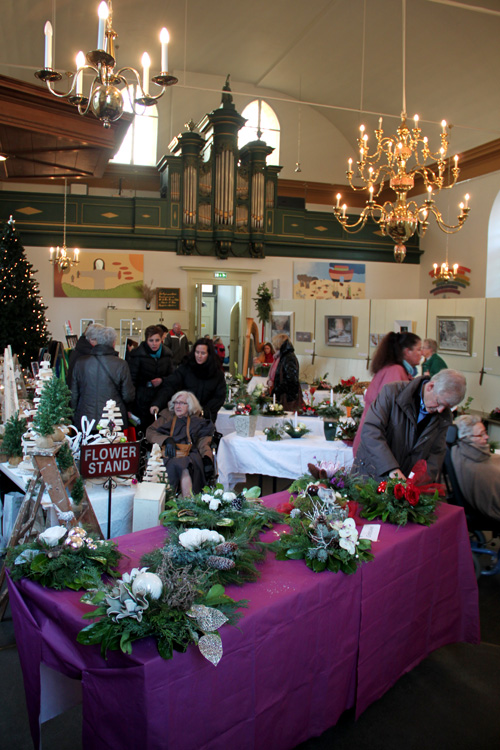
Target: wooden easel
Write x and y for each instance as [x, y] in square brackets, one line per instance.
[46, 477]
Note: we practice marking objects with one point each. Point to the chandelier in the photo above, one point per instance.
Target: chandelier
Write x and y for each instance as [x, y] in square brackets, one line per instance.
[397, 160]
[60, 256]
[106, 95]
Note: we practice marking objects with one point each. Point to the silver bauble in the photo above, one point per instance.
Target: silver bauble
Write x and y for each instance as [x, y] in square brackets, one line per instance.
[107, 103]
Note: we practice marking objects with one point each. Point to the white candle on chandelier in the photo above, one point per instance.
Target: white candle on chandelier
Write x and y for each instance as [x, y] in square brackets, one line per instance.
[103, 13]
[349, 161]
[362, 129]
[344, 209]
[371, 192]
[429, 192]
[80, 62]
[338, 199]
[455, 269]
[443, 125]
[164, 39]
[456, 159]
[47, 30]
[435, 268]
[461, 207]
[380, 123]
[51, 253]
[416, 119]
[146, 63]
[76, 254]
[467, 196]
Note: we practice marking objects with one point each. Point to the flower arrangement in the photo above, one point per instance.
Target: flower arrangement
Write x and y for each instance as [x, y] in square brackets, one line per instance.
[175, 606]
[347, 430]
[321, 384]
[61, 559]
[239, 516]
[270, 409]
[262, 369]
[398, 502]
[350, 400]
[345, 386]
[274, 433]
[295, 430]
[329, 411]
[322, 535]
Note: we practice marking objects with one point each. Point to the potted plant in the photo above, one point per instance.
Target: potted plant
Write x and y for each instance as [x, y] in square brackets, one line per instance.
[349, 402]
[245, 417]
[12, 444]
[331, 414]
[147, 292]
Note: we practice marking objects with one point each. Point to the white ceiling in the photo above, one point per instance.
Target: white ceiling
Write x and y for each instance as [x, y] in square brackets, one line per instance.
[309, 50]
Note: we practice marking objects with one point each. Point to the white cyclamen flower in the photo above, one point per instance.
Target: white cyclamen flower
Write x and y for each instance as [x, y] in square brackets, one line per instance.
[228, 497]
[52, 535]
[206, 497]
[214, 503]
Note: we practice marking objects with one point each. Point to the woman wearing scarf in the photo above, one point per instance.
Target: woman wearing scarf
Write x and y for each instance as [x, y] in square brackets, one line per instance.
[201, 373]
[150, 365]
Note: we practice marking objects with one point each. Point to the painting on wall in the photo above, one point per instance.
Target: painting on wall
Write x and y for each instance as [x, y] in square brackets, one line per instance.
[339, 330]
[101, 274]
[336, 280]
[454, 335]
[281, 322]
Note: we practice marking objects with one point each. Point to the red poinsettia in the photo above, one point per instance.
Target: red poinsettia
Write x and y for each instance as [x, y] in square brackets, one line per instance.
[412, 494]
[399, 491]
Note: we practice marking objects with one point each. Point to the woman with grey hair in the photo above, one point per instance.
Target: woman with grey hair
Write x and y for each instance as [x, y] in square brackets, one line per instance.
[186, 438]
[99, 377]
[477, 470]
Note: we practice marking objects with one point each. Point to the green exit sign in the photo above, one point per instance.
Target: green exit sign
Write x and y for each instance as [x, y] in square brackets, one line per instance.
[220, 275]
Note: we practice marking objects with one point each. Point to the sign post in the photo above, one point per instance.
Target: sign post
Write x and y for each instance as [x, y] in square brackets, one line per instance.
[109, 460]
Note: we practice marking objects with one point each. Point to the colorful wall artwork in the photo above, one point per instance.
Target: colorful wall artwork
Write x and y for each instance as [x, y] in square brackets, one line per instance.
[101, 275]
[453, 286]
[336, 280]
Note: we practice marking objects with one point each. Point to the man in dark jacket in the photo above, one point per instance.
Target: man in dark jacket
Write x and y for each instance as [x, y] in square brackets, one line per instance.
[83, 347]
[408, 422]
[178, 344]
[99, 377]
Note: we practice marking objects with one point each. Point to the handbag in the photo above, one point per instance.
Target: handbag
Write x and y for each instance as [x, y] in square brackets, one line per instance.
[182, 449]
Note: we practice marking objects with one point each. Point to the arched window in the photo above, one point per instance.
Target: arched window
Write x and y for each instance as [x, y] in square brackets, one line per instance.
[139, 145]
[260, 116]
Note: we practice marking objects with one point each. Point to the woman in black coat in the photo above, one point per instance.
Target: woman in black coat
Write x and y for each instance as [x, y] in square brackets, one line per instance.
[200, 373]
[150, 365]
[284, 380]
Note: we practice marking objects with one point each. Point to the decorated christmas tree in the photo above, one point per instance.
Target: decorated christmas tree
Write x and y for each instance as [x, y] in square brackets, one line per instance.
[22, 312]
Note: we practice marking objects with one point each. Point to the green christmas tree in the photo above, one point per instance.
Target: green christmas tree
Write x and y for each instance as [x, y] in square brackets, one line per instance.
[15, 428]
[22, 312]
[53, 408]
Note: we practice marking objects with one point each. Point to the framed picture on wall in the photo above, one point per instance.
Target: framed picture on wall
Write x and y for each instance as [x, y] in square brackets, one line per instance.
[282, 322]
[403, 326]
[454, 335]
[339, 330]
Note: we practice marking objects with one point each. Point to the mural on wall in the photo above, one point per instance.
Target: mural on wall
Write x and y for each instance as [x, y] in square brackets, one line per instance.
[452, 286]
[101, 274]
[336, 280]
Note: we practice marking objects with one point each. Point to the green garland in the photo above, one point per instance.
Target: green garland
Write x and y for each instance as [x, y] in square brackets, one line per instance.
[60, 559]
[182, 610]
[397, 502]
[263, 303]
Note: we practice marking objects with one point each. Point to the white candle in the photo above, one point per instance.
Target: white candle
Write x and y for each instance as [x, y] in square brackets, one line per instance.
[51, 253]
[295, 421]
[80, 62]
[274, 399]
[331, 396]
[164, 39]
[47, 30]
[103, 13]
[76, 254]
[146, 62]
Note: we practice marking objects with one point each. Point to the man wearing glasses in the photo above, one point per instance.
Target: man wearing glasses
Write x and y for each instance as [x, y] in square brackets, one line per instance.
[408, 422]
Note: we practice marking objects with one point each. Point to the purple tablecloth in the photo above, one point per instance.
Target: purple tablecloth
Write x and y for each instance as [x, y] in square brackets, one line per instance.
[308, 647]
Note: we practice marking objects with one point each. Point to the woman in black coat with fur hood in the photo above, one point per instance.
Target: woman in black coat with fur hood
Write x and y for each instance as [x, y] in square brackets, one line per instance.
[200, 373]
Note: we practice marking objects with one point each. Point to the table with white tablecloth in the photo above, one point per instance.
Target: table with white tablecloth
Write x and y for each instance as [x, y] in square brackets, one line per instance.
[287, 458]
[225, 422]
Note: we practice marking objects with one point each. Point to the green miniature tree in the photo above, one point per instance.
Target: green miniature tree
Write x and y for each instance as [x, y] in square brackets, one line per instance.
[54, 408]
[64, 457]
[15, 427]
[22, 312]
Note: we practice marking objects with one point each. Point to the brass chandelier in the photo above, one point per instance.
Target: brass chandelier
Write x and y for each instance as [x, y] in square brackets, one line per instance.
[106, 96]
[397, 161]
[60, 256]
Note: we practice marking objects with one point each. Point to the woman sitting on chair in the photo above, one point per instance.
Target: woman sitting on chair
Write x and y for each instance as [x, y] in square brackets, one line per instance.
[186, 438]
